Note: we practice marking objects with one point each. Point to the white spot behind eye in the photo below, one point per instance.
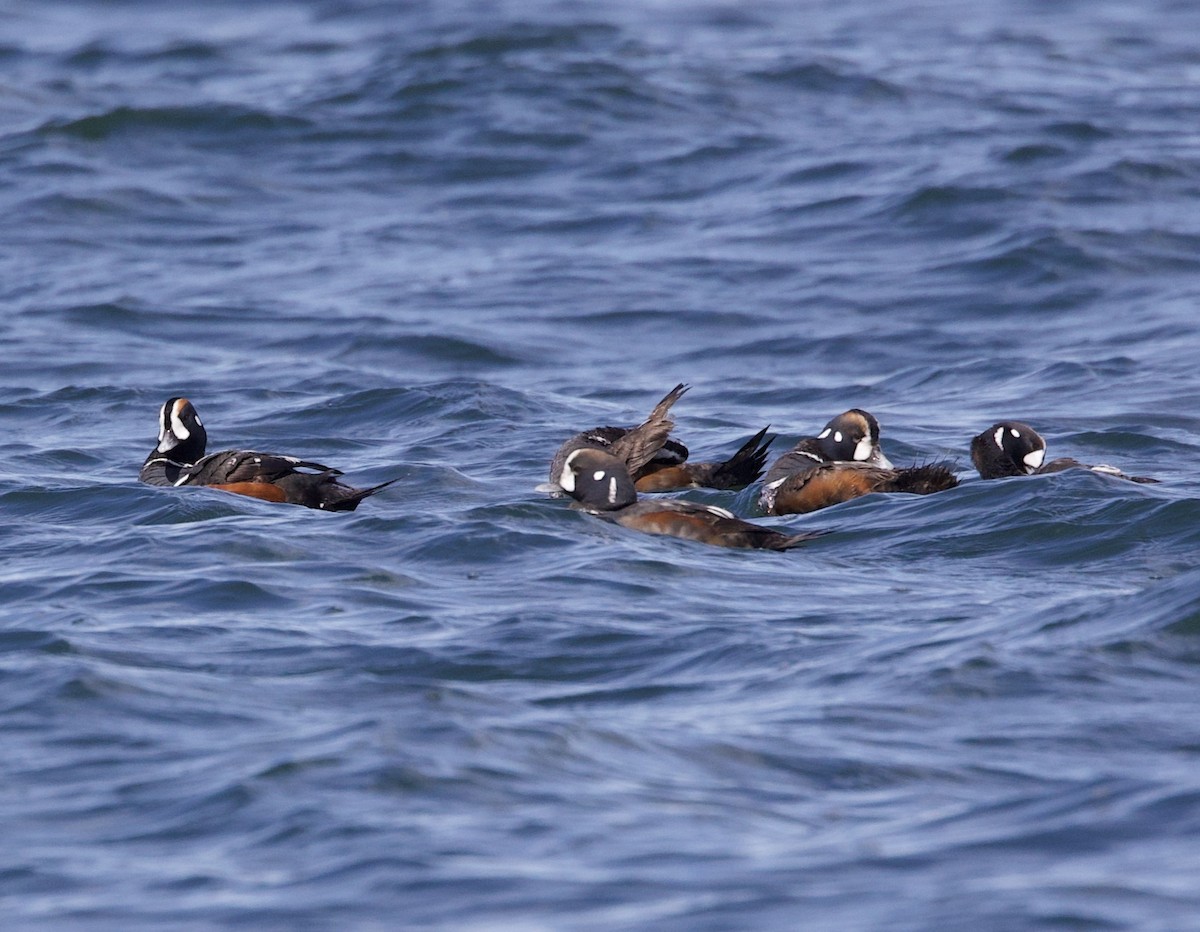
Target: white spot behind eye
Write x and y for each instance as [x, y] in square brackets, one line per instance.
[612, 489]
[1014, 432]
[1033, 459]
[837, 437]
[599, 474]
[998, 436]
[823, 434]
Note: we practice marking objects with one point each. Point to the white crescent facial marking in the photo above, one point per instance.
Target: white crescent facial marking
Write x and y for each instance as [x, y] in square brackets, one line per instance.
[566, 479]
[599, 474]
[1033, 459]
[170, 431]
[177, 427]
[823, 434]
[612, 488]
[863, 450]
[998, 437]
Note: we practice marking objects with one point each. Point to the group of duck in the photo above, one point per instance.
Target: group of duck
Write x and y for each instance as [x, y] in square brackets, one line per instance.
[605, 468]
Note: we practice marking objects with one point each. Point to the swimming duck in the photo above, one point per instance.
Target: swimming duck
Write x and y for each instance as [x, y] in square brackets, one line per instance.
[657, 462]
[179, 460]
[843, 462]
[601, 485]
[1013, 448]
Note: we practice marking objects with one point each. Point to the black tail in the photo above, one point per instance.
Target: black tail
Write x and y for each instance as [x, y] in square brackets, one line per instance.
[345, 498]
[745, 466]
[922, 480]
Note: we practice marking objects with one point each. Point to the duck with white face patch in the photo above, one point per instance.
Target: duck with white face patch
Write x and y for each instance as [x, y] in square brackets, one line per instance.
[1013, 448]
[843, 462]
[1008, 448]
[179, 460]
[601, 485]
[658, 462]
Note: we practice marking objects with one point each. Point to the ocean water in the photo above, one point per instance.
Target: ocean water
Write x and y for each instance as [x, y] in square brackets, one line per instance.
[433, 240]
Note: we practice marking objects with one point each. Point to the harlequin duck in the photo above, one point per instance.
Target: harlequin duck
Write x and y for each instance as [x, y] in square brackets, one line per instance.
[179, 460]
[601, 485]
[1011, 448]
[844, 461]
[658, 462]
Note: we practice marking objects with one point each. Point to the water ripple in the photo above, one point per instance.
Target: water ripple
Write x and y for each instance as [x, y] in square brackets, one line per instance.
[430, 244]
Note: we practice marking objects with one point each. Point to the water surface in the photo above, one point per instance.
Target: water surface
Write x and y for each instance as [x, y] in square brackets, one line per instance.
[433, 240]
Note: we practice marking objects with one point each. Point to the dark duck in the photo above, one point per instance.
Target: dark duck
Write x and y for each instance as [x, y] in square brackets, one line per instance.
[658, 462]
[601, 485]
[844, 461]
[179, 460]
[1012, 448]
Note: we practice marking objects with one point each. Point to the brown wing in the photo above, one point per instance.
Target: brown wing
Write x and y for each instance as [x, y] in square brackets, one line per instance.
[668, 479]
[635, 446]
[638, 445]
[827, 485]
[267, 491]
[692, 521]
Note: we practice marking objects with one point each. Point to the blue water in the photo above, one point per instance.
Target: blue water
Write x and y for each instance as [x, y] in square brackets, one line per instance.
[432, 241]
